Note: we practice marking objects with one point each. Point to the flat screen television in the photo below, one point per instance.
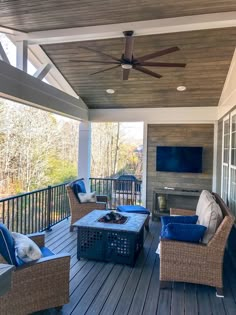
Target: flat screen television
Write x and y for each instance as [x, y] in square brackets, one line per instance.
[179, 159]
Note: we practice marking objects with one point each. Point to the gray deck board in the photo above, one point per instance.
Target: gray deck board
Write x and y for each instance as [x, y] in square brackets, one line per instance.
[98, 288]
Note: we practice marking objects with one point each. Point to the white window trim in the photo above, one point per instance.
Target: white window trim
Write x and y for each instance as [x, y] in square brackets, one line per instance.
[222, 154]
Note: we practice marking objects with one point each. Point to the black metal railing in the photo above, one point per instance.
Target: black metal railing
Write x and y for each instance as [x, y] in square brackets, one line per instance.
[35, 211]
[119, 192]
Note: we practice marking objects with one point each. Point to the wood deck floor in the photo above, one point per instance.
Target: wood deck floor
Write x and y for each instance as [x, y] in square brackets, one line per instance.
[107, 288]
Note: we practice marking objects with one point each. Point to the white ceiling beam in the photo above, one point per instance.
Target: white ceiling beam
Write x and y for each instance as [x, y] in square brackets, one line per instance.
[22, 55]
[140, 28]
[3, 55]
[21, 87]
[38, 58]
[10, 31]
[156, 115]
[42, 71]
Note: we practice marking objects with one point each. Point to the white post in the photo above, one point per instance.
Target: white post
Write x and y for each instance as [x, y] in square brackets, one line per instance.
[3, 55]
[144, 178]
[22, 55]
[84, 152]
[215, 147]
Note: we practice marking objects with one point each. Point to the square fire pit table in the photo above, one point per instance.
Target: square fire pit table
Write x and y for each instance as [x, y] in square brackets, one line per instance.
[120, 243]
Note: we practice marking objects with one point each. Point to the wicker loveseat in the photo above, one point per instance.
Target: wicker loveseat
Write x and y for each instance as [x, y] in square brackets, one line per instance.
[78, 210]
[37, 285]
[196, 263]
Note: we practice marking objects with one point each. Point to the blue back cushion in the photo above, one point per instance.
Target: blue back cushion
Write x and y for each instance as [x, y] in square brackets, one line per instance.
[186, 219]
[78, 187]
[184, 232]
[7, 246]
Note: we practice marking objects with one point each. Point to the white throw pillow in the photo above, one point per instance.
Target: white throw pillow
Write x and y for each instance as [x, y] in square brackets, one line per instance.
[209, 214]
[26, 249]
[87, 197]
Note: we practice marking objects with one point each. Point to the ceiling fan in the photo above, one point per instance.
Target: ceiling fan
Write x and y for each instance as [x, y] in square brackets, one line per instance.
[128, 61]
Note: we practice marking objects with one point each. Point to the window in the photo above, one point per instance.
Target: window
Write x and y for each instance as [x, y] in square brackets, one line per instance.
[232, 164]
[225, 159]
[228, 180]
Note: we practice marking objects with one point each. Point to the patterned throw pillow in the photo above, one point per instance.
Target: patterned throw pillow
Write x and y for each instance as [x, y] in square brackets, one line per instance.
[87, 197]
[26, 249]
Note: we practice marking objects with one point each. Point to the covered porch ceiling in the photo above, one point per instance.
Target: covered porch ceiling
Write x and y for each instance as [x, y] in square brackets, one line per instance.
[207, 50]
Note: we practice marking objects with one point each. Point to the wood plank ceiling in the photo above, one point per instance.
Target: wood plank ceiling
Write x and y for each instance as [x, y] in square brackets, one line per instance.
[207, 53]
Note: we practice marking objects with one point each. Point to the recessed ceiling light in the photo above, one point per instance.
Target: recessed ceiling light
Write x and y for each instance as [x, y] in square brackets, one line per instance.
[110, 91]
[181, 88]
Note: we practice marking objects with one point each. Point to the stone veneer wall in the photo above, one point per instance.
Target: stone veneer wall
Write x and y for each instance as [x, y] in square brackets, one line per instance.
[179, 135]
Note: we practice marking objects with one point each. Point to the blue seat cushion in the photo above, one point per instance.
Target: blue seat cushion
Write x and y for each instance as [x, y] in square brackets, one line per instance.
[133, 209]
[46, 252]
[7, 246]
[186, 219]
[184, 232]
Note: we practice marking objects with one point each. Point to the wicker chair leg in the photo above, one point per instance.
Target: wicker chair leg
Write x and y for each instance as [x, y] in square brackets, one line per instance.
[165, 284]
[220, 292]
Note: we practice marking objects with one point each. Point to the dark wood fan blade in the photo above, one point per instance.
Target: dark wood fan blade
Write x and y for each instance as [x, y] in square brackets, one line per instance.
[107, 69]
[101, 53]
[129, 45]
[162, 64]
[126, 74]
[96, 61]
[146, 71]
[158, 54]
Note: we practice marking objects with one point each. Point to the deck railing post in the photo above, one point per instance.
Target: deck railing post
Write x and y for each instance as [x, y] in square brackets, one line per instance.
[49, 208]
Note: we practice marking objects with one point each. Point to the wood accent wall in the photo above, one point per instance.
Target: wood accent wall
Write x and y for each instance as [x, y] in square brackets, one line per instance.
[179, 135]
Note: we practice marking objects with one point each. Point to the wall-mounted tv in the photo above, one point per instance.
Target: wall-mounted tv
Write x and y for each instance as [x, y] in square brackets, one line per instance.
[179, 159]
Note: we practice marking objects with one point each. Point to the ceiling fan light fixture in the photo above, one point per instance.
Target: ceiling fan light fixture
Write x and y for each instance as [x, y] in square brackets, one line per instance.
[181, 88]
[126, 66]
[110, 91]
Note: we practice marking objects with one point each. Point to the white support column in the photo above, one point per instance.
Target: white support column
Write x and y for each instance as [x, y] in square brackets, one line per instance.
[214, 175]
[84, 152]
[144, 177]
[3, 55]
[42, 71]
[22, 55]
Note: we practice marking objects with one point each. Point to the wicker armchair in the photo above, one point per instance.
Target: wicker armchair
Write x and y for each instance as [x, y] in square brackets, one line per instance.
[38, 285]
[196, 263]
[78, 210]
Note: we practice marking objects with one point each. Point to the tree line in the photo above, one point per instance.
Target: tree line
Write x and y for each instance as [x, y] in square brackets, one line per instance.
[37, 148]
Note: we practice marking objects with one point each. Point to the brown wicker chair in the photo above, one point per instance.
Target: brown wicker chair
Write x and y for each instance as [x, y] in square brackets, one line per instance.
[196, 263]
[38, 285]
[78, 210]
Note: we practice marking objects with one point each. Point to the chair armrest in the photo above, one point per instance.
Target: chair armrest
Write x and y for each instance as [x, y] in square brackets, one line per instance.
[102, 198]
[175, 211]
[45, 260]
[38, 238]
[101, 205]
[179, 251]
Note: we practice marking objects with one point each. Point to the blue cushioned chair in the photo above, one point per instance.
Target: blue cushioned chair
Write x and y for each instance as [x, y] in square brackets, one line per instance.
[77, 209]
[37, 285]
